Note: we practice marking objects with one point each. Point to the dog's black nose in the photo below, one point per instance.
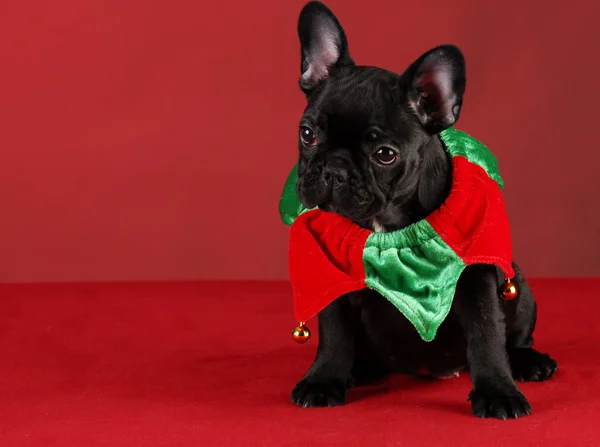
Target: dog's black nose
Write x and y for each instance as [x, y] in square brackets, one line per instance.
[336, 171]
[335, 178]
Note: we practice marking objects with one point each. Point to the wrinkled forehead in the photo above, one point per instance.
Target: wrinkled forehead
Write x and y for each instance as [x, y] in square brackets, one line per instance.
[354, 100]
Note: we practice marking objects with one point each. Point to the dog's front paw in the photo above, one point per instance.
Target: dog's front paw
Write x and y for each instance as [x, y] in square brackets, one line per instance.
[490, 402]
[528, 365]
[320, 393]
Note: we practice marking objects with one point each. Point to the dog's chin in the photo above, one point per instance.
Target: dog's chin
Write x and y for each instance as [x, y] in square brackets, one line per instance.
[363, 218]
[362, 212]
[329, 207]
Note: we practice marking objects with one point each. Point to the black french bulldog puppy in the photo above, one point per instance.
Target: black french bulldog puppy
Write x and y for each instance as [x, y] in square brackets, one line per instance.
[370, 151]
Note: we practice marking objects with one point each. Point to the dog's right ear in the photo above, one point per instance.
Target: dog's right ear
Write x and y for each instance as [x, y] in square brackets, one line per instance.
[323, 43]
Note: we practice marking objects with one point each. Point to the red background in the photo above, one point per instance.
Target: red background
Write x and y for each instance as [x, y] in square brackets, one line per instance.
[150, 140]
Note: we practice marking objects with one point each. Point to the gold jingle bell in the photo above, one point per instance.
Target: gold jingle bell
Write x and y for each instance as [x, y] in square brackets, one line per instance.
[301, 334]
[510, 290]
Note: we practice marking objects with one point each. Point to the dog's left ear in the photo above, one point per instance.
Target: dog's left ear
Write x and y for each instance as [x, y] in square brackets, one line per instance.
[436, 83]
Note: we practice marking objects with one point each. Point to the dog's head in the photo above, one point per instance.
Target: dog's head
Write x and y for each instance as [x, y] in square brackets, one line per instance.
[367, 138]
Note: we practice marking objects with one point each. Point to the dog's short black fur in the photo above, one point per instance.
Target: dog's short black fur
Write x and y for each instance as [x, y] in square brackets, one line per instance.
[370, 151]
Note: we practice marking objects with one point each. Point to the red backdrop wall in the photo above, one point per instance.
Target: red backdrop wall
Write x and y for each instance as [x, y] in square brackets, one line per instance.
[150, 140]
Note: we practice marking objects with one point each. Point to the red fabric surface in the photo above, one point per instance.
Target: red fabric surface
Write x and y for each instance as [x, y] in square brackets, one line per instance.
[473, 220]
[325, 260]
[212, 364]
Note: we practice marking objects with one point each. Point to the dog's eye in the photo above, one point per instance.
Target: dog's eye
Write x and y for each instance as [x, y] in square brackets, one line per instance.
[308, 137]
[385, 156]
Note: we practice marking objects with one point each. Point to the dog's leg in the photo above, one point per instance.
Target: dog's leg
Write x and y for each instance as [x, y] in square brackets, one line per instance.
[327, 381]
[478, 308]
[527, 364]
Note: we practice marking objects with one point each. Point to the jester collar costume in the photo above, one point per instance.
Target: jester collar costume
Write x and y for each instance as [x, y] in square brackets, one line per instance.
[416, 268]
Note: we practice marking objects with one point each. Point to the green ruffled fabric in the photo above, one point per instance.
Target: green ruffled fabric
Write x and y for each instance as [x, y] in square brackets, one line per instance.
[416, 271]
[460, 143]
[290, 206]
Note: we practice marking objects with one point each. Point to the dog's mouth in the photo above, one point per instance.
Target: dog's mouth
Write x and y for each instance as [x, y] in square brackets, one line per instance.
[353, 200]
[328, 206]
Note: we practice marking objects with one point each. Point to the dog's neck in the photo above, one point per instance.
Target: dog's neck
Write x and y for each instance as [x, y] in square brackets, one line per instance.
[427, 191]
